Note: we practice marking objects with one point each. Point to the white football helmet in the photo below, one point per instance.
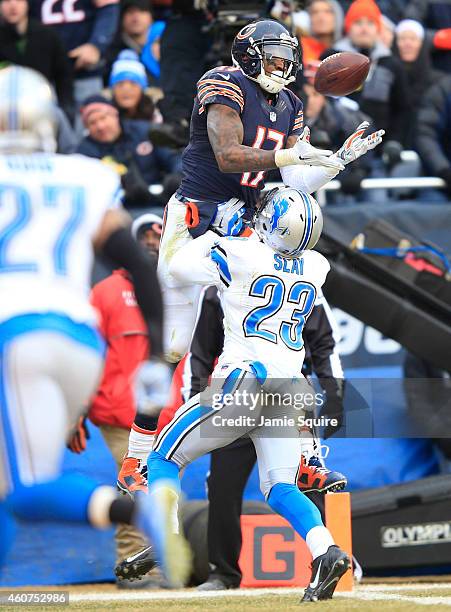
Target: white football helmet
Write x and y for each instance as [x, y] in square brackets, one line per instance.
[289, 221]
[27, 112]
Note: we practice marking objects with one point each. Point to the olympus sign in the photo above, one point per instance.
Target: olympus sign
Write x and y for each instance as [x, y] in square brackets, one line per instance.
[420, 534]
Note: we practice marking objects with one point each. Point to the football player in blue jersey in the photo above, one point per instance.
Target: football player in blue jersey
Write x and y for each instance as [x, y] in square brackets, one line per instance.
[244, 122]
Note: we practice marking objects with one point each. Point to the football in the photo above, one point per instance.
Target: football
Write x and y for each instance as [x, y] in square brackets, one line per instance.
[341, 73]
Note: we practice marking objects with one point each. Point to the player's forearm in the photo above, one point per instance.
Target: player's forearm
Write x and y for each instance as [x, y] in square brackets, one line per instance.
[192, 264]
[307, 178]
[239, 158]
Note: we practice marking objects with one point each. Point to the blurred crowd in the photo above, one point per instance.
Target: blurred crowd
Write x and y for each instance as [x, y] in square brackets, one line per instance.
[125, 77]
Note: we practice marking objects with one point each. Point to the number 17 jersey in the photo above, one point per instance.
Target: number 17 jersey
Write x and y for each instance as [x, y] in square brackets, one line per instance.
[265, 126]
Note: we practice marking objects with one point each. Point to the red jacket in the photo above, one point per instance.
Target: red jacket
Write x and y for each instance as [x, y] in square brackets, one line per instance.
[125, 332]
[175, 397]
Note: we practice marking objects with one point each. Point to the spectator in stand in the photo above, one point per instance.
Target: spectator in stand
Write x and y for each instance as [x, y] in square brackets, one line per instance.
[113, 408]
[413, 51]
[86, 28]
[387, 33]
[385, 95]
[25, 42]
[326, 27]
[434, 130]
[139, 32]
[435, 15]
[393, 9]
[128, 82]
[125, 145]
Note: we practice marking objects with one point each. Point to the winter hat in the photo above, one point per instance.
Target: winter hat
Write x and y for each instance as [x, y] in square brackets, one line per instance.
[127, 67]
[94, 104]
[410, 25]
[142, 5]
[145, 222]
[360, 9]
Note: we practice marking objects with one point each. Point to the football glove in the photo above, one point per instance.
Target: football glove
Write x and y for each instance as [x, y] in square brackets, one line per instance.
[305, 154]
[355, 146]
[80, 435]
[229, 218]
[152, 386]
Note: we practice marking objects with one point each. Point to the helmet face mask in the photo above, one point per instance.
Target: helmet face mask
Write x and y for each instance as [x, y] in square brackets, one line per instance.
[289, 221]
[261, 44]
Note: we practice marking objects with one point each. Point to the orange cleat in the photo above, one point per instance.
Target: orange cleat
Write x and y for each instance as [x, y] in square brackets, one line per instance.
[132, 477]
[313, 476]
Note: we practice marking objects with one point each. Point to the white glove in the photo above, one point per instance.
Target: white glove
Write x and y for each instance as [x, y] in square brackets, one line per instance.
[229, 217]
[152, 386]
[355, 146]
[304, 154]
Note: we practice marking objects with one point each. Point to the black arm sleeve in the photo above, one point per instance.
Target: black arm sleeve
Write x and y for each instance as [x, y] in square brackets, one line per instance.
[125, 252]
[207, 341]
[318, 335]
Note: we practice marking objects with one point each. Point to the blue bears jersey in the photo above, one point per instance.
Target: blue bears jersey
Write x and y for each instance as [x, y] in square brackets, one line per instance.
[266, 126]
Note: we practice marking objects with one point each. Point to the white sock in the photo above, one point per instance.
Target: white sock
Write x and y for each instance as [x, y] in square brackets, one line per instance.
[318, 539]
[140, 443]
[99, 505]
[307, 445]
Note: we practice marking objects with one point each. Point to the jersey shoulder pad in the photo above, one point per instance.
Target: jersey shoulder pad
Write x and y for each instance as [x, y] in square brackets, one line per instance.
[297, 109]
[317, 267]
[222, 85]
[225, 73]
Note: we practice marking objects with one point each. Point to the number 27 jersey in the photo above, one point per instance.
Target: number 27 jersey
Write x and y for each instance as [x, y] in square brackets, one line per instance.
[51, 207]
[265, 126]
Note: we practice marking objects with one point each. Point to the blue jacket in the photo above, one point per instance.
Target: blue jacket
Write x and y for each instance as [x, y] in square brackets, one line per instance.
[134, 146]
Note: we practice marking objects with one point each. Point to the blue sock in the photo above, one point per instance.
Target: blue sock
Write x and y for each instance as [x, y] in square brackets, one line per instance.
[64, 499]
[300, 512]
[7, 532]
[160, 468]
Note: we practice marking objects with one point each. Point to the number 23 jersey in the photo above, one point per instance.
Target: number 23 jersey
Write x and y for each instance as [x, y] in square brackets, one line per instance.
[266, 300]
[265, 126]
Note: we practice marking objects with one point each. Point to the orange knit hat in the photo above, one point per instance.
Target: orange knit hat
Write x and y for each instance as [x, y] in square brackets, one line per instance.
[360, 9]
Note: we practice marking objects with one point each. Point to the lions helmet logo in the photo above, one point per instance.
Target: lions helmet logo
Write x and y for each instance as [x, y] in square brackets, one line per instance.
[280, 208]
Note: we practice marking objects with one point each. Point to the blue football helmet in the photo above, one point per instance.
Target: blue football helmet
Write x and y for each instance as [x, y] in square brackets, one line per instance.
[262, 41]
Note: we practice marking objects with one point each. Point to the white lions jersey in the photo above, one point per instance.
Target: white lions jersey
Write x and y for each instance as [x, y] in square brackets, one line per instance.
[51, 206]
[266, 298]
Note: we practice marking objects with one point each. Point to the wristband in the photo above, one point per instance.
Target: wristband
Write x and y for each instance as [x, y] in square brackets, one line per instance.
[286, 157]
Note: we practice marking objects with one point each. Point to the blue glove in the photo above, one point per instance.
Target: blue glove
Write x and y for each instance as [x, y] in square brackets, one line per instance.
[229, 218]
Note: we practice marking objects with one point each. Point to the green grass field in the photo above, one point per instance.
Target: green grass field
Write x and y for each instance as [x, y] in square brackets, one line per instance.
[411, 597]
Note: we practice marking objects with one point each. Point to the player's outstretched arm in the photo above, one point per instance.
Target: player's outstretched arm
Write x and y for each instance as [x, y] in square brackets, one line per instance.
[225, 132]
[355, 145]
[192, 263]
[310, 179]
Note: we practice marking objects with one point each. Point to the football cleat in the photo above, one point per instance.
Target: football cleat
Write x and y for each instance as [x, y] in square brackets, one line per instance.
[132, 477]
[327, 570]
[136, 566]
[155, 518]
[313, 476]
